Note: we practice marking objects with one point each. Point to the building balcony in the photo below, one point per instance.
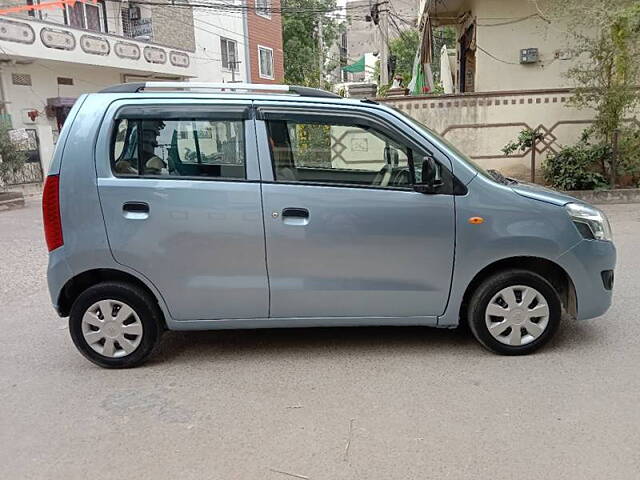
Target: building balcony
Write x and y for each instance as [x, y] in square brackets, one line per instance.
[40, 40]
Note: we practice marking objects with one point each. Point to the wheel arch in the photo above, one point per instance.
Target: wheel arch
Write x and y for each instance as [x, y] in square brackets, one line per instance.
[79, 283]
[551, 271]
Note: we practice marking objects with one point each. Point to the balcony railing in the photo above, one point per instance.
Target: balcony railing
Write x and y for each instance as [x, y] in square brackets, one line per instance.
[51, 41]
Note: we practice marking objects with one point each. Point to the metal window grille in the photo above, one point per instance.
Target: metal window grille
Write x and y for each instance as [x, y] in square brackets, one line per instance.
[21, 79]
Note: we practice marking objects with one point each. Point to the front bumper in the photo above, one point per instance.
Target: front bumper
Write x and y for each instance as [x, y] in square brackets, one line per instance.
[585, 264]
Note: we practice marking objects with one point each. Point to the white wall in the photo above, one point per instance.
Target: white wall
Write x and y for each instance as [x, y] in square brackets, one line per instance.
[44, 76]
[209, 27]
[44, 85]
[13, 47]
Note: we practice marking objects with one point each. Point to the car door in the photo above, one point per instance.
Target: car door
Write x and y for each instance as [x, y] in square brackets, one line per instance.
[346, 233]
[181, 204]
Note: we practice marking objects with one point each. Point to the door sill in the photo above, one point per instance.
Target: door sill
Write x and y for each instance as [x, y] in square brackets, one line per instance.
[306, 322]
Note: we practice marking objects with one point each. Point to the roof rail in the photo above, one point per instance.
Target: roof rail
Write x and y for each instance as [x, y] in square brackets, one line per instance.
[219, 87]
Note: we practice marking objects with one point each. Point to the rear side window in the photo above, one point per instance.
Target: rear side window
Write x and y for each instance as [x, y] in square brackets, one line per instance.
[183, 147]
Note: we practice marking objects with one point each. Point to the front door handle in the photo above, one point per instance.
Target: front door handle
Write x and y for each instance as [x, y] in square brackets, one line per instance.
[135, 210]
[295, 216]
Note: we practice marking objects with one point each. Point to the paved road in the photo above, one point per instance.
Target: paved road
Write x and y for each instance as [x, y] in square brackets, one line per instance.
[374, 403]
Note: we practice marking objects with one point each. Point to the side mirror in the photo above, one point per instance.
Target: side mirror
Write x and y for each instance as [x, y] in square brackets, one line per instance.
[430, 176]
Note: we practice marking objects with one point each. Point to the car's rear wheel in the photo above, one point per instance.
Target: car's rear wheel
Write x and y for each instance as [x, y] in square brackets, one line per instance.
[514, 312]
[115, 325]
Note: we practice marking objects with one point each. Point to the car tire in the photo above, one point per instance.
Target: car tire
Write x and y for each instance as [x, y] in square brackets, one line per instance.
[514, 312]
[115, 325]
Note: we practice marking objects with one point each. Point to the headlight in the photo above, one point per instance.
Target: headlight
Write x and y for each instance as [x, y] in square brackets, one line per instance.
[590, 222]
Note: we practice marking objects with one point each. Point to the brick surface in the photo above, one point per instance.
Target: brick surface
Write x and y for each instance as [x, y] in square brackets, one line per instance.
[266, 32]
[173, 27]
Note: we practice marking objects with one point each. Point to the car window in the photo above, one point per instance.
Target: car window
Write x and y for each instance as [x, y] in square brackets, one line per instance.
[337, 153]
[125, 148]
[180, 148]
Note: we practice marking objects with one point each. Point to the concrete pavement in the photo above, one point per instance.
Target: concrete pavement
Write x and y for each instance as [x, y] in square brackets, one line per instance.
[368, 403]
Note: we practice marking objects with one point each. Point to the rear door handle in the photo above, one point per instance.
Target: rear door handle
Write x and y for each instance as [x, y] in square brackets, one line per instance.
[135, 210]
[295, 216]
[295, 212]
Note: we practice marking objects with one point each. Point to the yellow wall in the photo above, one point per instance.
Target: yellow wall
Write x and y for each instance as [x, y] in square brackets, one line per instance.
[506, 41]
[481, 125]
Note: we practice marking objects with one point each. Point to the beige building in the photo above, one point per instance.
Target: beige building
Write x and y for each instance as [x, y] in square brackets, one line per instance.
[364, 37]
[503, 45]
[507, 74]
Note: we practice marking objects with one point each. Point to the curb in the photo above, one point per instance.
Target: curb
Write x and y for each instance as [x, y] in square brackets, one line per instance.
[11, 200]
[622, 195]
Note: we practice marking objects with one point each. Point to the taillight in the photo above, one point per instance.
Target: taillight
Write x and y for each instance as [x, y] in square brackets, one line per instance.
[51, 212]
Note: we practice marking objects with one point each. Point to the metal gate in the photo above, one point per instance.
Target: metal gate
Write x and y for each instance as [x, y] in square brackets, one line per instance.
[31, 172]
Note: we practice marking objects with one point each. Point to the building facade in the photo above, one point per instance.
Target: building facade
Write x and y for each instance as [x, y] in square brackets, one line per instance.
[507, 74]
[264, 41]
[364, 36]
[502, 45]
[51, 56]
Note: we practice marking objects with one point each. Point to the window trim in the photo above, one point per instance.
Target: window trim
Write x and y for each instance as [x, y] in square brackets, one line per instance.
[273, 63]
[34, 13]
[308, 112]
[118, 117]
[102, 14]
[418, 146]
[266, 13]
[330, 120]
[235, 50]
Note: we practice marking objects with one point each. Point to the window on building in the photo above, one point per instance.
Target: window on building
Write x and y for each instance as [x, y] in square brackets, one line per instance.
[23, 79]
[229, 51]
[34, 13]
[265, 61]
[263, 8]
[65, 81]
[125, 17]
[179, 148]
[87, 16]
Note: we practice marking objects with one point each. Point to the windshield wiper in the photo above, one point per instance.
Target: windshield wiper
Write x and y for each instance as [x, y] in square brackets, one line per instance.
[500, 178]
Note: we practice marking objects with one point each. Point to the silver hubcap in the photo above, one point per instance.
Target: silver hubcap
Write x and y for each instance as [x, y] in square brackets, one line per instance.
[112, 328]
[517, 315]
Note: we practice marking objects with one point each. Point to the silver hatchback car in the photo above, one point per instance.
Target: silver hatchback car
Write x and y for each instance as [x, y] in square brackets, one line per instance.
[192, 207]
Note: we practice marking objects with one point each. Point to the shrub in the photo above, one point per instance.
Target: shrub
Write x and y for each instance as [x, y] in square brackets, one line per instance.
[523, 142]
[11, 159]
[629, 154]
[575, 167]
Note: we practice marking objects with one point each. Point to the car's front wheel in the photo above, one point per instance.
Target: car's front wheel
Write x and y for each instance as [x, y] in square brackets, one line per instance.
[115, 325]
[514, 312]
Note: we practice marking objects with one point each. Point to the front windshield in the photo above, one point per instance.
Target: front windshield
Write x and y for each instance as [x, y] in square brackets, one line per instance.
[448, 144]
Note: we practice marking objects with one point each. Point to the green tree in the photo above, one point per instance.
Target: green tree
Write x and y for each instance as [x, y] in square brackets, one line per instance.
[404, 49]
[300, 39]
[11, 159]
[605, 39]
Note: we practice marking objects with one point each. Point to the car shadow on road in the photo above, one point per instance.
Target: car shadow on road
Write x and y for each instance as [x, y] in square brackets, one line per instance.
[293, 341]
[235, 344]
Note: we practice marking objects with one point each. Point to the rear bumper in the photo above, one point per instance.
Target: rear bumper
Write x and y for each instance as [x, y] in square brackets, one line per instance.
[58, 273]
[585, 264]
